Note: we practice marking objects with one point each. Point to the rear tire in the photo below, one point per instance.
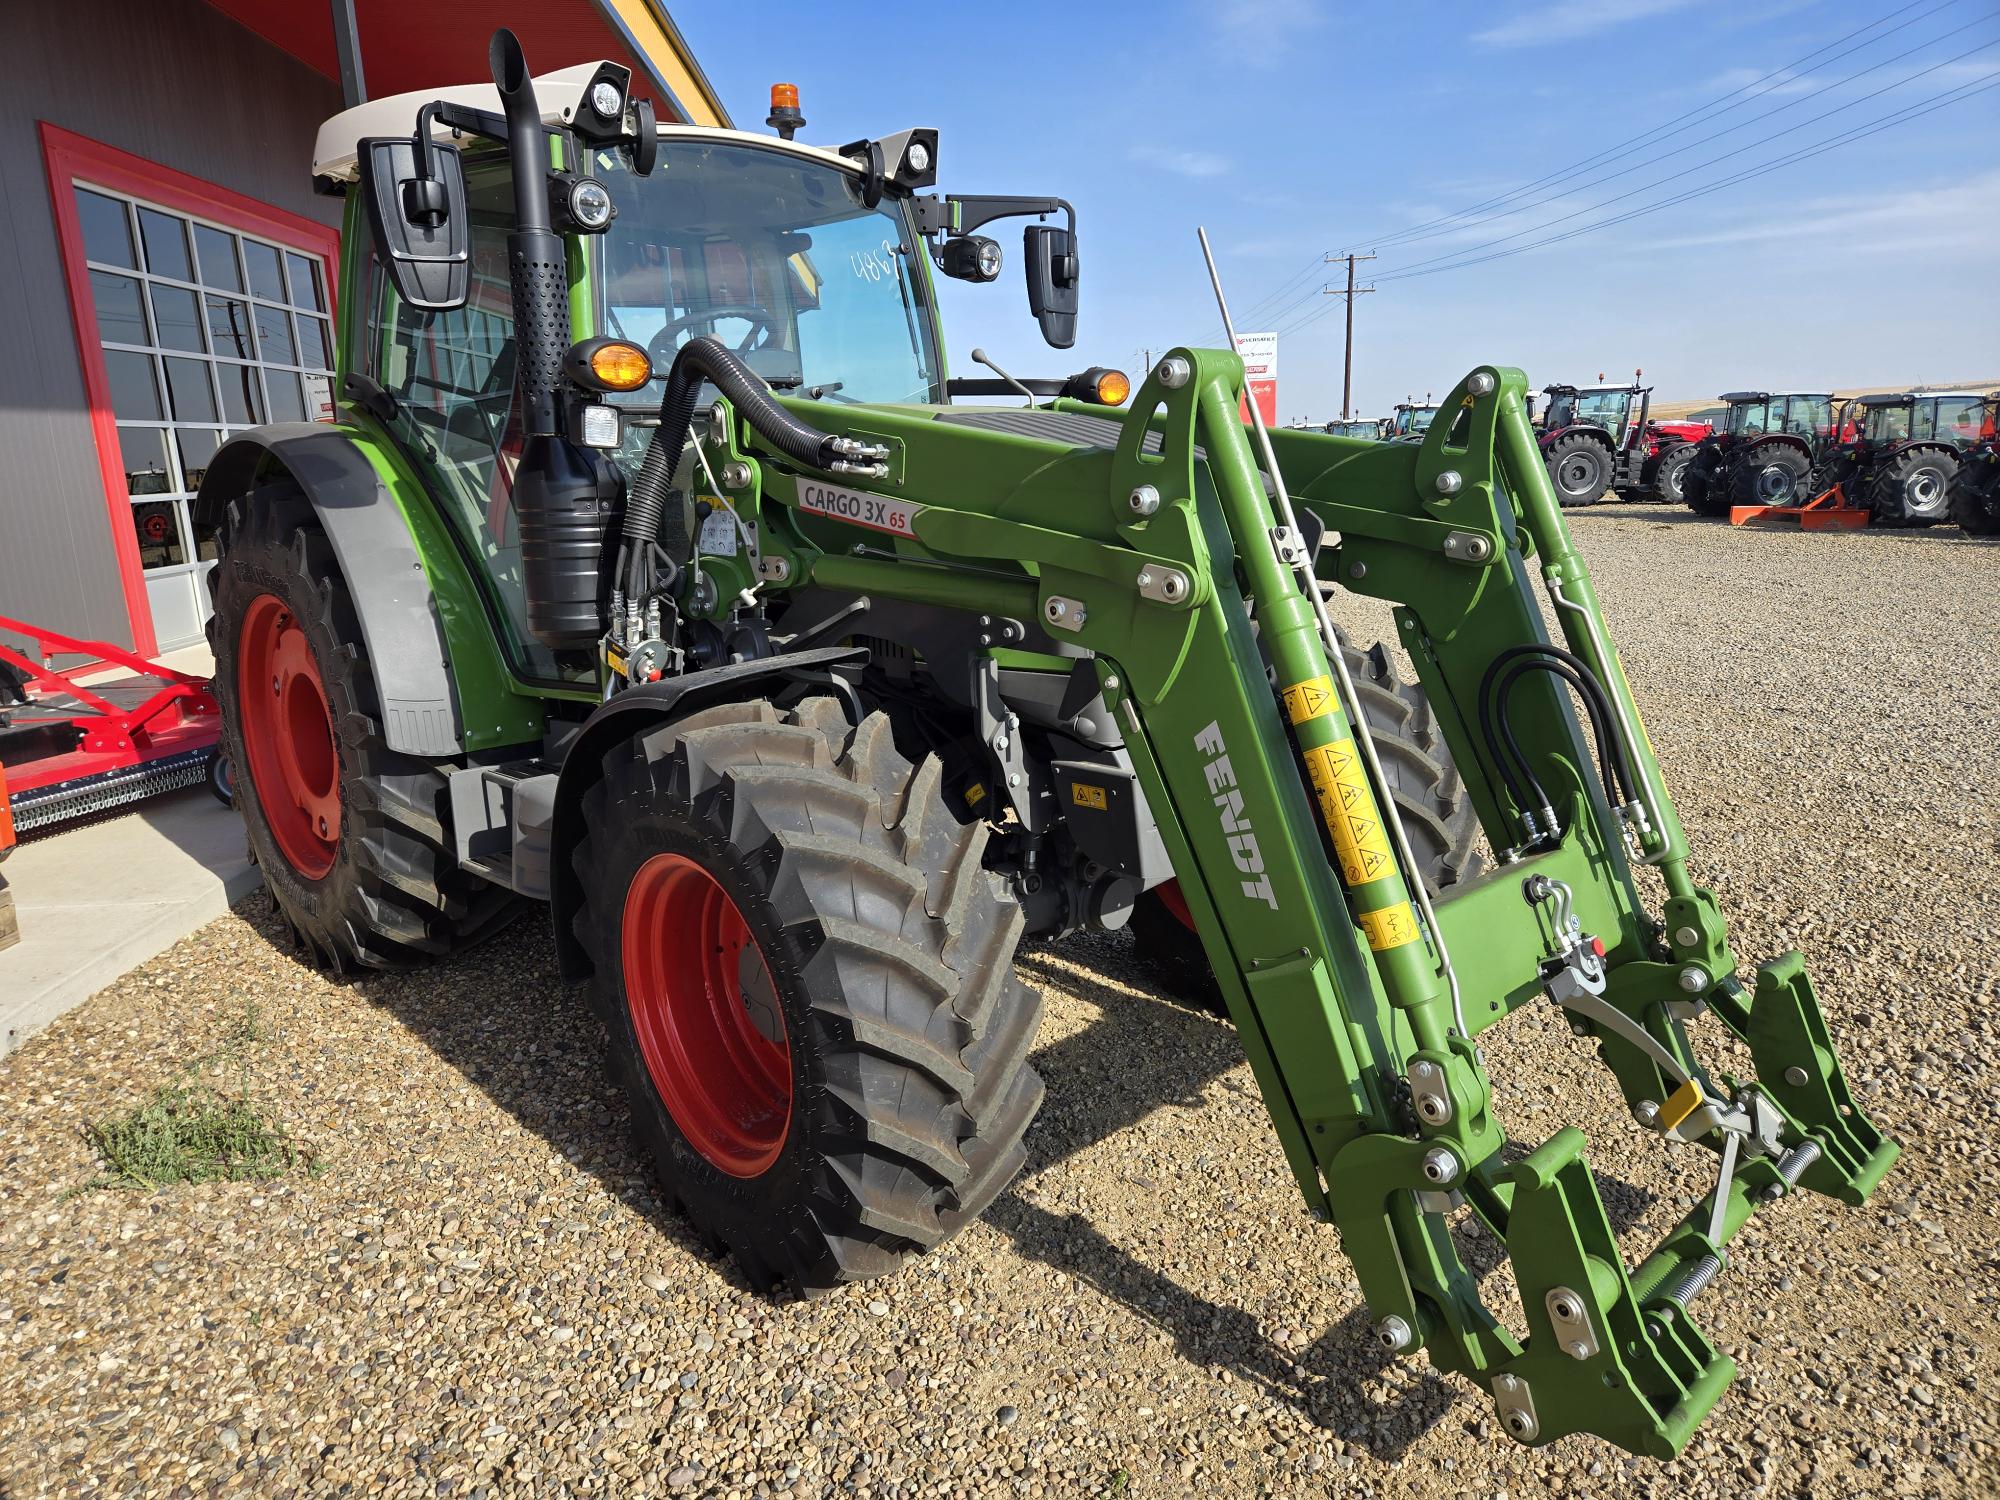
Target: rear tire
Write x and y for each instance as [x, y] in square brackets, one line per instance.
[1579, 468]
[1770, 476]
[1913, 488]
[353, 838]
[1443, 824]
[1975, 494]
[887, 949]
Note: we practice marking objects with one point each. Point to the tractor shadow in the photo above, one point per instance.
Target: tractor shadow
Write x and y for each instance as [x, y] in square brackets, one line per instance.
[501, 1017]
[1144, 1053]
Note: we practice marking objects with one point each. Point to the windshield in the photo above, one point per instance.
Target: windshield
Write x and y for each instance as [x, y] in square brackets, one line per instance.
[1888, 424]
[1606, 408]
[1807, 416]
[1957, 419]
[1411, 421]
[1748, 418]
[777, 256]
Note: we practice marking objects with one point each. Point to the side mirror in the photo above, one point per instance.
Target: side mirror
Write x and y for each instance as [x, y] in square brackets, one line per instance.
[418, 217]
[1052, 276]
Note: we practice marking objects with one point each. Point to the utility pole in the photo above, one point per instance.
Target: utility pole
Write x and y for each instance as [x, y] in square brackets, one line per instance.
[1347, 359]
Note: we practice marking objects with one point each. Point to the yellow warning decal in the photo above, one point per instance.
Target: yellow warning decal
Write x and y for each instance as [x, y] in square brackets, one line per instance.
[1348, 807]
[1311, 699]
[974, 795]
[1390, 927]
[1084, 795]
[1686, 1100]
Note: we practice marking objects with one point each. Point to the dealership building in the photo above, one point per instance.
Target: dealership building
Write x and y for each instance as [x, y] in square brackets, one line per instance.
[172, 273]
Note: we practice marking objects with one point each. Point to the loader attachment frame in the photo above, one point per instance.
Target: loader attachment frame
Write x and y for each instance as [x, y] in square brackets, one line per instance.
[1163, 556]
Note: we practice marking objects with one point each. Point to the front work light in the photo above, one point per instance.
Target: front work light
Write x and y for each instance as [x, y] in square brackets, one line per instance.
[590, 203]
[971, 257]
[605, 100]
[603, 364]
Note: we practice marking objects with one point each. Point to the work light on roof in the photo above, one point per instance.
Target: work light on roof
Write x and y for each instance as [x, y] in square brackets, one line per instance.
[605, 100]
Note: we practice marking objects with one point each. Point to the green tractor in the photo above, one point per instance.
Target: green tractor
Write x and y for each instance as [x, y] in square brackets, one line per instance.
[1764, 453]
[1366, 428]
[1409, 421]
[650, 572]
[1975, 488]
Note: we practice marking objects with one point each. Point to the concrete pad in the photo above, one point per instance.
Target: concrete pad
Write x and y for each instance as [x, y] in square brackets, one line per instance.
[97, 901]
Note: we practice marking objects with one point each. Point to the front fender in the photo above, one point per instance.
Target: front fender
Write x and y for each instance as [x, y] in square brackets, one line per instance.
[378, 560]
[631, 712]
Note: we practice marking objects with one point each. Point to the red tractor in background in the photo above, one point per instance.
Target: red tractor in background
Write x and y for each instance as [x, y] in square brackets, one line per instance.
[1975, 489]
[1764, 455]
[1900, 453]
[1598, 437]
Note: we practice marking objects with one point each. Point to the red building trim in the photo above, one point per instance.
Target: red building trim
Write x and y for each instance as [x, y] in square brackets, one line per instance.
[70, 158]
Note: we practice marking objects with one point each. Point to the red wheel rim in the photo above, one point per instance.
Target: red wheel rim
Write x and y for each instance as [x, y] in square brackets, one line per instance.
[288, 736]
[1171, 898]
[707, 1015]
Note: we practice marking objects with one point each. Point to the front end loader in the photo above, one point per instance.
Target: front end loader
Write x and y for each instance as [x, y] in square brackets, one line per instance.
[651, 572]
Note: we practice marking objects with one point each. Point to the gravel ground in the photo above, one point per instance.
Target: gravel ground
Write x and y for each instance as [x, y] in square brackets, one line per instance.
[472, 1289]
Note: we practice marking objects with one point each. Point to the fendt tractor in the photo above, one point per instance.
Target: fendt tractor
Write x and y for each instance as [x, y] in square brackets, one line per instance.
[650, 571]
[1409, 421]
[1600, 437]
[1763, 455]
[1975, 488]
[1901, 454]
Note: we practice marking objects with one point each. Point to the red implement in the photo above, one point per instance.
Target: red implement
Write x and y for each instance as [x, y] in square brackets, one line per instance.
[72, 749]
[1827, 511]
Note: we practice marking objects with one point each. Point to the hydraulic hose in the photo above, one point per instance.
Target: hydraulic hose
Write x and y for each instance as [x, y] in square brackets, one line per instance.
[1613, 768]
[708, 359]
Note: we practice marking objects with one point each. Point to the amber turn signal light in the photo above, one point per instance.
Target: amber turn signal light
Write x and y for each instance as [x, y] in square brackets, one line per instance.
[608, 365]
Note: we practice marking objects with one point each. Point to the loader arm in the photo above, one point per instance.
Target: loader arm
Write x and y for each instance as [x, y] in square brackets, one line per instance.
[1359, 1001]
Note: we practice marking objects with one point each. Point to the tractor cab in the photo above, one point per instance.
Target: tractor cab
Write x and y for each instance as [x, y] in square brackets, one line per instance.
[1410, 421]
[1367, 430]
[1619, 409]
[1903, 450]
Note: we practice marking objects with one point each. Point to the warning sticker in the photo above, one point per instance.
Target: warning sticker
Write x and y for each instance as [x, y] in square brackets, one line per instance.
[1390, 927]
[1084, 795]
[1309, 700]
[718, 533]
[1348, 807]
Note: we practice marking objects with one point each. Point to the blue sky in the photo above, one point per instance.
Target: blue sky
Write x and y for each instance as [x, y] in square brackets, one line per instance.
[1292, 128]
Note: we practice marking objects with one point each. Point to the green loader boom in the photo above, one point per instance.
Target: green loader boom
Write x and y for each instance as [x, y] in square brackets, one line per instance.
[923, 675]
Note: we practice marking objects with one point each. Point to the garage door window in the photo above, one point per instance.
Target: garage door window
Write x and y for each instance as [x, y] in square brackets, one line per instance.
[204, 330]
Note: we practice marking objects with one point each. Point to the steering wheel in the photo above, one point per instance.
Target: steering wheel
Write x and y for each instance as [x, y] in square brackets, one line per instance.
[763, 329]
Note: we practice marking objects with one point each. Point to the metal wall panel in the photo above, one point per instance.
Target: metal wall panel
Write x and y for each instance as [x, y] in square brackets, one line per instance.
[179, 84]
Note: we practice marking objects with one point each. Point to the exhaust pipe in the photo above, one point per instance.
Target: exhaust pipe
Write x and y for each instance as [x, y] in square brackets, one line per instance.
[564, 498]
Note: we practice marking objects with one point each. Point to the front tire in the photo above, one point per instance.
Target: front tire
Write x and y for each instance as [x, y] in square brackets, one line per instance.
[1770, 476]
[1975, 495]
[1429, 793]
[1669, 477]
[821, 1036]
[1913, 488]
[1579, 468]
[352, 837]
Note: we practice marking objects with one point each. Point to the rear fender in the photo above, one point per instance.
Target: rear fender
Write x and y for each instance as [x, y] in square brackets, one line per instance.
[406, 645]
[1550, 439]
[635, 711]
[1755, 451]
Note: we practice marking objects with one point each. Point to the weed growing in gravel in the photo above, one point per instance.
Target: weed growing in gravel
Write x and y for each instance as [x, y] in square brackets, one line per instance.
[190, 1133]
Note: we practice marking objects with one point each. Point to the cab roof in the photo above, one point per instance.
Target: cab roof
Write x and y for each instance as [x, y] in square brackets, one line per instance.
[336, 150]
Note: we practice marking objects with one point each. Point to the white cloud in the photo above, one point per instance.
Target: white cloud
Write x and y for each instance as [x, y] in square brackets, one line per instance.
[1533, 25]
[1257, 33]
[1918, 221]
[1181, 162]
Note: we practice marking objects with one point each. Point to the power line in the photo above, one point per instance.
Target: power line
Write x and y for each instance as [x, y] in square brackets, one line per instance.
[1924, 107]
[1284, 300]
[1702, 165]
[1662, 131]
[1825, 88]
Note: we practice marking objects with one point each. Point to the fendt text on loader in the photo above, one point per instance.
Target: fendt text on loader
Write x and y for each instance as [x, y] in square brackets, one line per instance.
[650, 571]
